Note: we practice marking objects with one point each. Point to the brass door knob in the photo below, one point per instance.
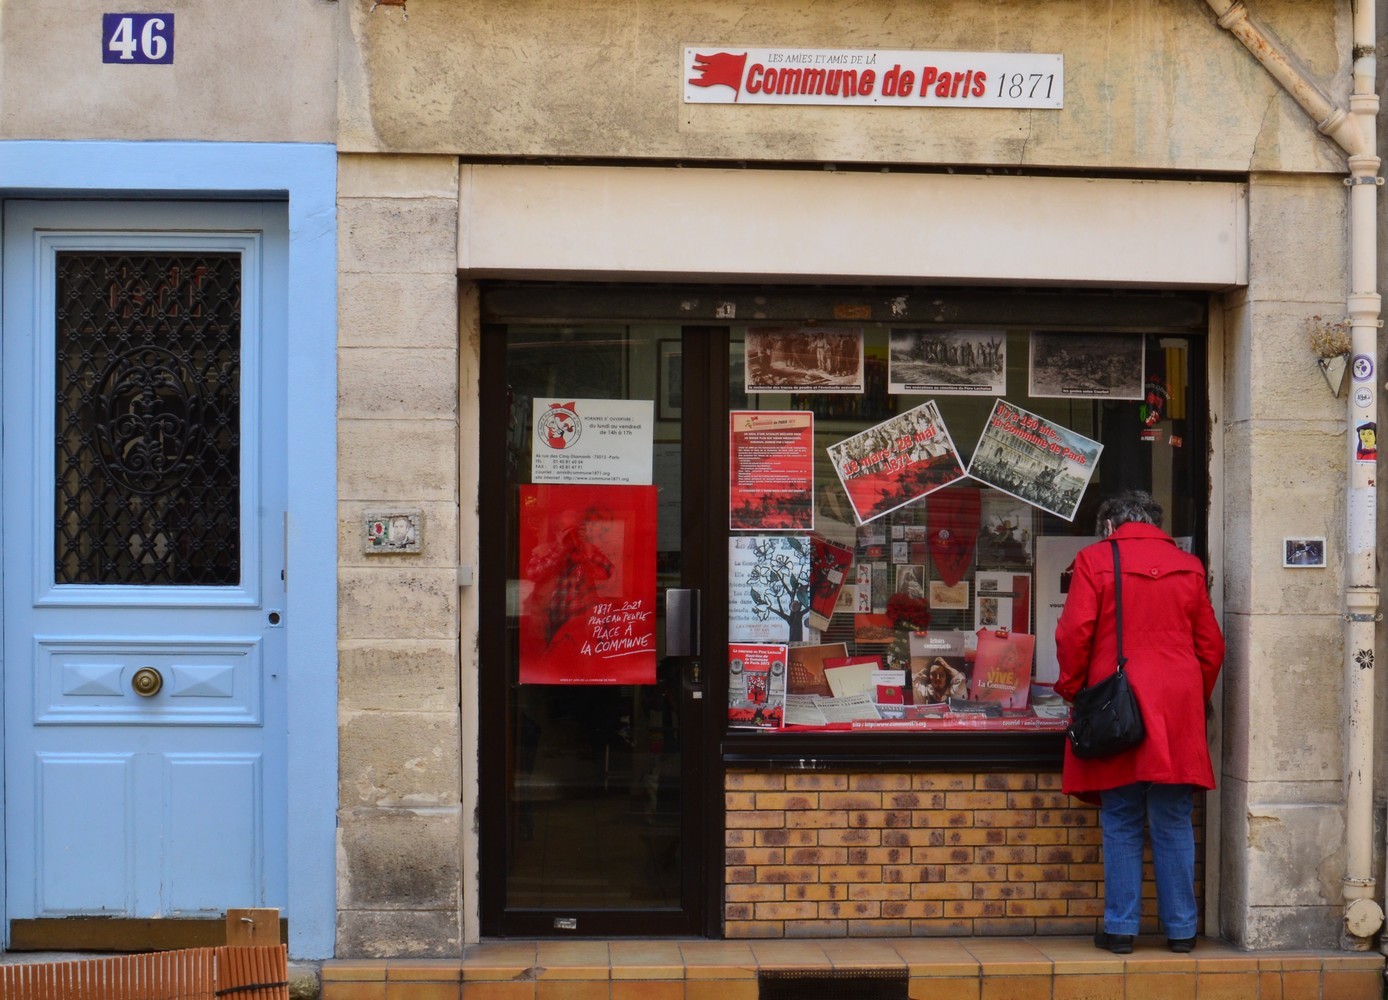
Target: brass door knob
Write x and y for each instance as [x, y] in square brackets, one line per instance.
[147, 682]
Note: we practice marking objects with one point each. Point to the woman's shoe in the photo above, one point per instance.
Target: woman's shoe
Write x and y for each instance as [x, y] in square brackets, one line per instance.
[1119, 944]
[1181, 945]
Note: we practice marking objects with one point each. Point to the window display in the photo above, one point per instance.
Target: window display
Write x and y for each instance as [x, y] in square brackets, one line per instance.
[949, 499]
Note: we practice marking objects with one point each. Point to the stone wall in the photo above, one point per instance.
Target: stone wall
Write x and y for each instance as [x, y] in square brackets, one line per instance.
[251, 71]
[400, 823]
[1283, 475]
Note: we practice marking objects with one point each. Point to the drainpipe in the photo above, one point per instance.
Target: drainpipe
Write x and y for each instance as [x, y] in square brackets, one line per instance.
[1355, 131]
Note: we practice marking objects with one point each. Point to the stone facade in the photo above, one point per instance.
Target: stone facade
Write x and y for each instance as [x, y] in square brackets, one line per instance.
[1155, 91]
[400, 769]
[1151, 87]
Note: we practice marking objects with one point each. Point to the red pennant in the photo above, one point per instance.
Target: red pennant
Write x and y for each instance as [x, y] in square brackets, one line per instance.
[952, 520]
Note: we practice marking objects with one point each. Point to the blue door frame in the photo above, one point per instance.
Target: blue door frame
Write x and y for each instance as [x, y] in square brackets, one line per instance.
[305, 177]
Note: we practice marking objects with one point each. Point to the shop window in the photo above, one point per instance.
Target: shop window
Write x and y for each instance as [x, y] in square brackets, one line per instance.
[906, 502]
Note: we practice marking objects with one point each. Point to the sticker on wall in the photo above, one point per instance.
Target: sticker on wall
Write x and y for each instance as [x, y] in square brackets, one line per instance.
[1363, 367]
[593, 441]
[587, 584]
[1303, 553]
[1366, 442]
[1035, 459]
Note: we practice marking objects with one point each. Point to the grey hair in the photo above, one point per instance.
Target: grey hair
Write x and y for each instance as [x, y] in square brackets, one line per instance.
[1130, 505]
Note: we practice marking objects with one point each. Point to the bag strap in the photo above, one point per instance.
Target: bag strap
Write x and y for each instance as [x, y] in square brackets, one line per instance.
[1118, 603]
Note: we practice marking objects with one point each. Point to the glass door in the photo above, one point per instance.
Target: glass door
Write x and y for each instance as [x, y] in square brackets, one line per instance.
[592, 684]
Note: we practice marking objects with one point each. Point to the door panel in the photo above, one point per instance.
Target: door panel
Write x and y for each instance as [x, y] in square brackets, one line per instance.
[144, 604]
[593, 806]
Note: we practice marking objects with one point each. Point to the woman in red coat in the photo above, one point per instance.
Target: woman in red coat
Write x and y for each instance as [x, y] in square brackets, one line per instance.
[1174, 650]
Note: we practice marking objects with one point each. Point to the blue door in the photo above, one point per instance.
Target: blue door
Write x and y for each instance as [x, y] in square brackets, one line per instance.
[144, 595]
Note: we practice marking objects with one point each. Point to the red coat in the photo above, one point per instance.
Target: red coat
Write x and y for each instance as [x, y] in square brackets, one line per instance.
[1174, 649]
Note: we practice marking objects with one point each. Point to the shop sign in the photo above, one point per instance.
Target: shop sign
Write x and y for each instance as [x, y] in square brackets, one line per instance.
[715, 74]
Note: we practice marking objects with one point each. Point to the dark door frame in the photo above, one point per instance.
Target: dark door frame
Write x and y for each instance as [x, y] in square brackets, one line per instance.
[704, 450]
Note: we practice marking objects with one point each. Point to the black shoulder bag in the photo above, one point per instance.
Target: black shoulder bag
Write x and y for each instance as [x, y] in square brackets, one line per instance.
[1106, 719]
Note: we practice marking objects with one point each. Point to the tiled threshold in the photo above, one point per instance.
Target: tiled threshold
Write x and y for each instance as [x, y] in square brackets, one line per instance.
[937, 969]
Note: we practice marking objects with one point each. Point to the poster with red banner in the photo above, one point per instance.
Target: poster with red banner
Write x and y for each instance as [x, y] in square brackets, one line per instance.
[897, 461]
[771, 474]
[587, 587]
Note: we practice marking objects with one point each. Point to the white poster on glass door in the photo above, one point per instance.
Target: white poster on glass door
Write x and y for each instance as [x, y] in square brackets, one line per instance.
[593, 441]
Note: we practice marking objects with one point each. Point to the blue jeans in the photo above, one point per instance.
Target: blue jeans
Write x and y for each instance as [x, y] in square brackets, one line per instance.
[1166, 810]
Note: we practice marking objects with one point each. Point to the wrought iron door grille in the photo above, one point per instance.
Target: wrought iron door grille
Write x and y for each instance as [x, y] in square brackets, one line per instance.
[148, 438]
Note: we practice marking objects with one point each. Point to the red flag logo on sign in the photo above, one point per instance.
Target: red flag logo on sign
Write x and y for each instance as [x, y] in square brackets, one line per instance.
[720, 69]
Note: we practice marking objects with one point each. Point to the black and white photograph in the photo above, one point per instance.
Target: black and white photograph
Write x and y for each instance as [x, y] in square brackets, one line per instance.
[910, 580]
[1087, 365]
[961, 362]
[1303, 553]
[804, 359]
[1035, 459]
[1004, 531]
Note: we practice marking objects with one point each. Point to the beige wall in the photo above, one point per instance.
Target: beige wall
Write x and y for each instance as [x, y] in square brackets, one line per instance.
[1284, 475]
[1149, 84]
[252, 70]
[400, 827]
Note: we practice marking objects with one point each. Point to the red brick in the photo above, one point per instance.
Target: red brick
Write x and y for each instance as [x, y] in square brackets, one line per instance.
[940, 818]
[1005, 817]
[753, 819]
[1006, 927]
[1007, 782]
[754, 929]
[850, 838]
[817, 782]
[942, 782]
[1036, 800]
[880, 782]
[1066, 890]
[1005, 890]
[880, 890]
[1005, 855]
[942, 927]
[1035, 908]
[753, 893]
[816, 928]
[851, 801]
[786, 911]
[879, 928]
[787, 800]
[751, 781]
[788, 873]
[976, 800]
[837, 873]
[816, 819]
[1038, 835]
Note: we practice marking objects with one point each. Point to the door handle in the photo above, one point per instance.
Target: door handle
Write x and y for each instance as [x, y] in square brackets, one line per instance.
[681, 622]
[147, 682]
